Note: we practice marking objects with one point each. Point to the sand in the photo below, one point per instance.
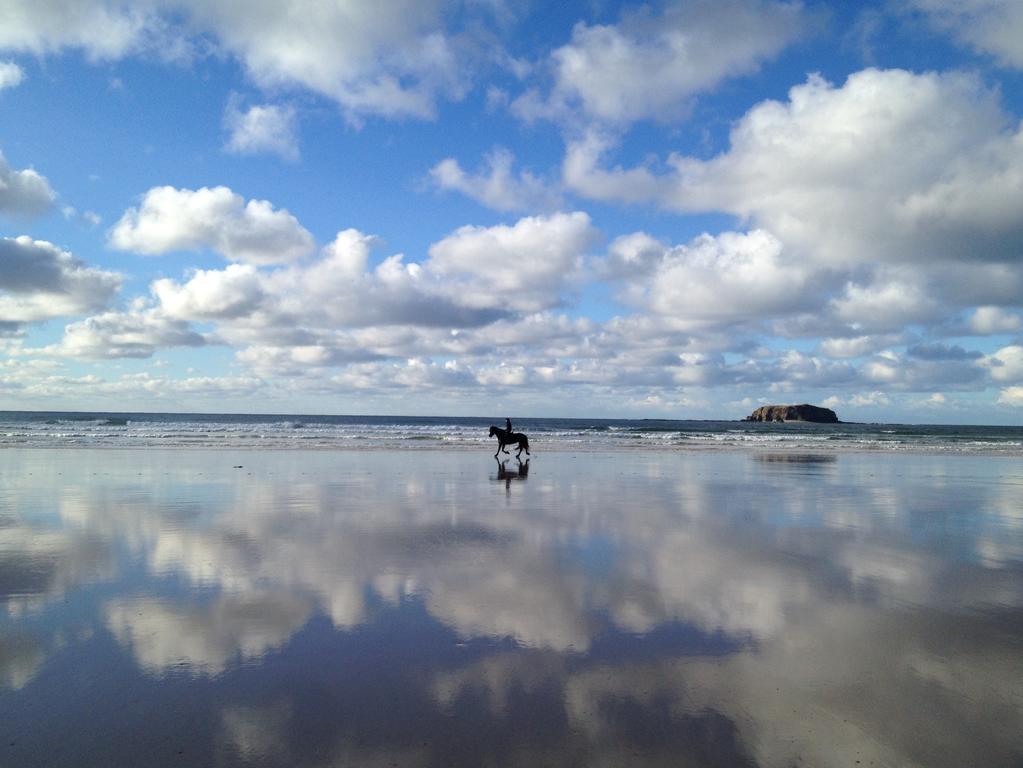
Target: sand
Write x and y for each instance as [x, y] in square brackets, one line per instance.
[430, 608]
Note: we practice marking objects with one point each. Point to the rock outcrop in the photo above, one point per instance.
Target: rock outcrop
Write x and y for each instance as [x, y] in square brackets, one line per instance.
[804, 412]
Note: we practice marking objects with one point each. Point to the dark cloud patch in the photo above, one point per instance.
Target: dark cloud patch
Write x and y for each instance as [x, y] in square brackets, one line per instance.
[938, 351]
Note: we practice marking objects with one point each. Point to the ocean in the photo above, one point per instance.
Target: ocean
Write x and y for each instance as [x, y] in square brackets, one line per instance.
[67, 429]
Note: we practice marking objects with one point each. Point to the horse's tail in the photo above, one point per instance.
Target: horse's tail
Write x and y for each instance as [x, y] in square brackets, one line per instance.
[525, 443]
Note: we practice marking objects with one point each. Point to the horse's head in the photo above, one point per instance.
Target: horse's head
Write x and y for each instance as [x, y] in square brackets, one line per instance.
[493, 431]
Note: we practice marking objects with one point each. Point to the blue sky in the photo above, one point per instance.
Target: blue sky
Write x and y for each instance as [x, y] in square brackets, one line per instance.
[663, 210]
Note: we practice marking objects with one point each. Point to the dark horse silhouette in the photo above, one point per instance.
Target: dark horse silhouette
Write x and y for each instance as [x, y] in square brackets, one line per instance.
[504, 437]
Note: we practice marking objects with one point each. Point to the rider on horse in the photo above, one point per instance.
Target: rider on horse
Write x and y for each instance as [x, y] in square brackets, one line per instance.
[508, 437]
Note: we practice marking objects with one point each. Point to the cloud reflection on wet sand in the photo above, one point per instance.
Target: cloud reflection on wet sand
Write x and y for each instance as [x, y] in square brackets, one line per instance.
[719, 608]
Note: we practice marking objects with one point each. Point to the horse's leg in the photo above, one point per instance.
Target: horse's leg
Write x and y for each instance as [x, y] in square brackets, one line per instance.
[503, 444]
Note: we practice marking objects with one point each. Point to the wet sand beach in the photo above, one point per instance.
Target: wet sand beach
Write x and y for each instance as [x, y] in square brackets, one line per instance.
[438, 608]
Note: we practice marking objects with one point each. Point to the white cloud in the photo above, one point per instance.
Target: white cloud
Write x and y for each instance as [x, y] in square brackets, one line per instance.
[211, 294]
[299, 359]
[392, 59]
[23, 192]
[39, 281]
[1006, 365]
[731, 276]
[379, 58]
[11, 75]
[650, 65]
[101, 30]
[886, 305]
[994, 27]
[891, 164]
[903, 167]
[887, 184]
[497, 187]
[124, 334]
[580, 172]
[172, 219]
[633, 255]
[525, 266]
[339, 289]
[261, 128]
[296, 316]
[869, 400]
[987, 321]
[728, 278]
[1011, 396]
[856, 346]
[334, 310]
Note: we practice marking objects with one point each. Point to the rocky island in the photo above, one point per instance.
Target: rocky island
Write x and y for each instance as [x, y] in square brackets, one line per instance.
[804, 412]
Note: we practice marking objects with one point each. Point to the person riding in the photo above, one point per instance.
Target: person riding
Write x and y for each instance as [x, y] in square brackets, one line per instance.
[507, 425]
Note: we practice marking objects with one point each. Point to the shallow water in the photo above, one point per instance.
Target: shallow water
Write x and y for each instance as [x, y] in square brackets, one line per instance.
[170, 607]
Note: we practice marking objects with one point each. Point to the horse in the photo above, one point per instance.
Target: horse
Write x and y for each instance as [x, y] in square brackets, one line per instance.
[504, 437]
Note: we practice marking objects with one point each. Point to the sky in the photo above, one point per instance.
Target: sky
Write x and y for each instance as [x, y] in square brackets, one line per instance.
[663, 210]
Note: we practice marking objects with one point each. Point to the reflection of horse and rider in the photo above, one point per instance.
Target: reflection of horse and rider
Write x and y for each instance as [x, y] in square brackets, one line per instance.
[508, 436]
[507, 475]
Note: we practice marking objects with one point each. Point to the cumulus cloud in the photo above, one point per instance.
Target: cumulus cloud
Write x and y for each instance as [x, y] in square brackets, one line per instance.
[11, 75]
[869, 399]
[496, 187]
[297, 359]
[994, 27]
[1011, 396]
[857, 346]
[892, 164]
[886, 305]
[904, 167]
[392, 59]
[525, 266]
[261, 128]
[885, 188]
[581, 172]
[987, 321]
[23, 192]
[102, 30]
[172, 219]
[341, 289]
[734, 276]
[650, 64]
[338, 309]
[1006, 364]
[211, 294]
[389, 58]
[39, 281]
[124, 334]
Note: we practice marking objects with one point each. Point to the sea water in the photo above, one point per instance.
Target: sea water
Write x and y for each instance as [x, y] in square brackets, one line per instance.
[240, 431]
